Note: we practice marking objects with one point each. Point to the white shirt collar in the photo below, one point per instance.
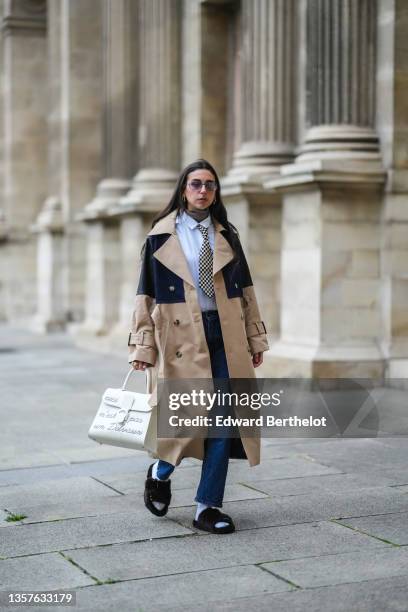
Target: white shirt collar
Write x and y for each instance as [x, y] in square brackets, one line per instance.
[192, 223]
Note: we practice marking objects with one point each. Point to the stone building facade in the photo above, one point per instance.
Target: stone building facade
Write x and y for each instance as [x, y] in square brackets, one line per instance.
[300, 104]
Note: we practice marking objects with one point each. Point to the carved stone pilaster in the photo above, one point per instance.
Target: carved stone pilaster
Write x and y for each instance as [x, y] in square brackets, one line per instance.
[159, 102]
[119, 113]
[341, 59]
[267, 122]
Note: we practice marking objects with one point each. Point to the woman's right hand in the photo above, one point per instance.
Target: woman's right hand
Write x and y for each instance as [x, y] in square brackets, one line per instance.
[139, 365]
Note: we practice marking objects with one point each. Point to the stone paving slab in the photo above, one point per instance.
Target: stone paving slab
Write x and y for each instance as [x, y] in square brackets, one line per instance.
[95, 468]
[160, 557]
[57, 512]
[49, 571]
[67, 490]
[324, 483]
[343, 568]
[396, 441]
[251, 514]
[82, 532]
[285, 467]
[166, 591]
[356, 455]
[390, 527]
[388, 594]
[397, 476]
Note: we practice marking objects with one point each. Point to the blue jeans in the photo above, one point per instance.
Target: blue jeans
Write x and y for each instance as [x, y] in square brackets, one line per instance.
[216, 450]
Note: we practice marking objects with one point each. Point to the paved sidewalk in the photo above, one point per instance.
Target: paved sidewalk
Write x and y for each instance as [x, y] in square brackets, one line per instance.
[322, 525]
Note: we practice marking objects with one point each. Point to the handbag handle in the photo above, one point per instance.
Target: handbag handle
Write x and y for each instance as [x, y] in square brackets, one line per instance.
[131, 372]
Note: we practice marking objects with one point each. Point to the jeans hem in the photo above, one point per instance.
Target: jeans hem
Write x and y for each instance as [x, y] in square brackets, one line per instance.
[208, 503]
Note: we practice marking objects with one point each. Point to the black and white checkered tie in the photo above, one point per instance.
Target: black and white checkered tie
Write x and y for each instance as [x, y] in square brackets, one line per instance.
[205, 266]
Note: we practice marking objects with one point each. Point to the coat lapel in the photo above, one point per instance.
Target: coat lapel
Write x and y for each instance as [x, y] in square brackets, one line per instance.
[171, 254]
[223, 253]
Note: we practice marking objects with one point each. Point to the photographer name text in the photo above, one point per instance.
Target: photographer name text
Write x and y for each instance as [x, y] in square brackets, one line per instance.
[260, 421]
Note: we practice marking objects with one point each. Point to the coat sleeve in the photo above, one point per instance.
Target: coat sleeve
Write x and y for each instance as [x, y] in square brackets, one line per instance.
[141, 341]
[255, 327]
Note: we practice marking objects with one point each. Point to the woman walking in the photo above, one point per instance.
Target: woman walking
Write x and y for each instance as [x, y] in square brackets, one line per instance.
[196, 316]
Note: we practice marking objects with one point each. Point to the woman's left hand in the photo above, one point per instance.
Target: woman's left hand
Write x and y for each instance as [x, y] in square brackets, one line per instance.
[257, 359]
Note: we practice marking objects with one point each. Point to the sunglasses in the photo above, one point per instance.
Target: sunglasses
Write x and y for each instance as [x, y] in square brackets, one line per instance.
[196, 185]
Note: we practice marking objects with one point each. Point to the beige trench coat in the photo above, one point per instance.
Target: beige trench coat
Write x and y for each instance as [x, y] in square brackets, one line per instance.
[167, 330]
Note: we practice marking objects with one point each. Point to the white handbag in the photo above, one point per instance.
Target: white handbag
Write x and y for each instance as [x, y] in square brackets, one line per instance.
[125, 418]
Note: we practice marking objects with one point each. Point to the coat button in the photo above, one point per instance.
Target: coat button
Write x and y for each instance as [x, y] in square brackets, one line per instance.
[171, 288]
[178, 354]
[176, 322]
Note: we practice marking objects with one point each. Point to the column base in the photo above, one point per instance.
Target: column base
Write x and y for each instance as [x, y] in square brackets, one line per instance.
[44, 325]
[151, 190]
[108, 194]
[340, 141]
[287, 360]
[397, 374]
[49, 229]
[257, 160]
[108, 342]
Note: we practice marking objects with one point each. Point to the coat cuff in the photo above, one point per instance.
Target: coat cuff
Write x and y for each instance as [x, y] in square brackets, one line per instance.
[142, 347]
[257, 338]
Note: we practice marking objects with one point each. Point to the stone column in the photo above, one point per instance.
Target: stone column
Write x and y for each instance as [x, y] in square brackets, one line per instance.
[159, 104]
[331, 320]
[341, 50]
[266, 121]
[74, 144]
[119, 122]
[208, 36]
[23, 118]
[50, 260]
[265, 128]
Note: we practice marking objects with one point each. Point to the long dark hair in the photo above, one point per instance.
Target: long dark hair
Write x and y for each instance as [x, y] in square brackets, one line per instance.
[217, 208]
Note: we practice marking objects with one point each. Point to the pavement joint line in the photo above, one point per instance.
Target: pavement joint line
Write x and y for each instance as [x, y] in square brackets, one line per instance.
[208, 569]
[74, 463]
[83, 570]
[248, 486]
[337, 522]
[264, 569]
[368, 580]
[34, 467]
[107, 485]
[44, 552]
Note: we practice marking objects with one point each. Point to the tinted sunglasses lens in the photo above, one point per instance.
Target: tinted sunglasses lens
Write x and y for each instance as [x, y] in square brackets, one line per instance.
[197, 185]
